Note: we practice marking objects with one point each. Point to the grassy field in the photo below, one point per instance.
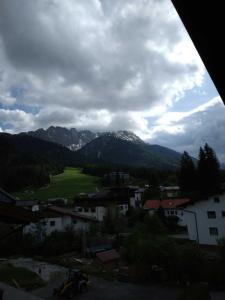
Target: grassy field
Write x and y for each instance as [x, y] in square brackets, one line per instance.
[65, 185]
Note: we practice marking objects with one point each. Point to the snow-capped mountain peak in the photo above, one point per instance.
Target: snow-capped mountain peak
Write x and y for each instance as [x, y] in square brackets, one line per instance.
[124, 135]
[75, 140]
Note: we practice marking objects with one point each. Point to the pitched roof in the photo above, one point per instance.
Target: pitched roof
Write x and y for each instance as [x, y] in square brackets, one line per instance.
[6, 197]
[26, 203]
[94, 202]
[165, 203]
[66, 211]
[12, 214]
[107, 256]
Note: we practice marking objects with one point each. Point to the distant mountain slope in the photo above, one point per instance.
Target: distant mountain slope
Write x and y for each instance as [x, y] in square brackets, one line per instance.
[21, 166]
[70, 138]
[121, 147]
[25, 144]
[127, 149]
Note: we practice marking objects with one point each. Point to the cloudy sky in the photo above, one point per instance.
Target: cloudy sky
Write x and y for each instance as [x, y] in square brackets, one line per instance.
[106, 65]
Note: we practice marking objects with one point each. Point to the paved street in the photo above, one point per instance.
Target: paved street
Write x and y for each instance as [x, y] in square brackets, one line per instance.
[101, 289]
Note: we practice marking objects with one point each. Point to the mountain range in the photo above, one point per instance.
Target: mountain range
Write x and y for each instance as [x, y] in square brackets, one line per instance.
[121, 147]
[70, 138]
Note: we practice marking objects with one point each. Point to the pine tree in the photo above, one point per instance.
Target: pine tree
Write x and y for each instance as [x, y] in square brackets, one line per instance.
[187, 174]
[208, 171]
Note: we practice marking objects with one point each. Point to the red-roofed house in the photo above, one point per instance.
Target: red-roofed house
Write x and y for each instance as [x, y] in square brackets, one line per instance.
[172, 207]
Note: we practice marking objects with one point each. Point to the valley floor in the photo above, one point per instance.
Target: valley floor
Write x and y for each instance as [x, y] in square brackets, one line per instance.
[65, 185]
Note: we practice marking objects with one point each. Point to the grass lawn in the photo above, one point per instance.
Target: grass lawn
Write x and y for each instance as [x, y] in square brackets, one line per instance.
[22, 277]
[65, 185]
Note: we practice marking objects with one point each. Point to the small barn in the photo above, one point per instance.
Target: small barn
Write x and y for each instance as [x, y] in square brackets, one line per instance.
[109, 259]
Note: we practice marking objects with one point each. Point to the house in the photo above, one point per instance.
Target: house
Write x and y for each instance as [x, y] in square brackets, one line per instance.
[11, 212]
[58, 219]
[205, 220]
[99, 209]
[28, 204]
[122, 176]
[6, 198]
[171, 207]
[112, 200]
[169, 191]
[136, 197]
[13, 217]
[58, 201]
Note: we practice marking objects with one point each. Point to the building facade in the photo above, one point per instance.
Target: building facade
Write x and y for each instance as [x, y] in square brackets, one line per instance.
[58, 219]
[205, 220]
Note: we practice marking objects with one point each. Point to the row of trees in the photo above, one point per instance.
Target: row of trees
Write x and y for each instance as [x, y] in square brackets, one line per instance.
[20, 170]
[203, 176]
[152, 176]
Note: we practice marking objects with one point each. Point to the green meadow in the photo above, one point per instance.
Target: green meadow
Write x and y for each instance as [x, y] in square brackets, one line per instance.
[65, 185]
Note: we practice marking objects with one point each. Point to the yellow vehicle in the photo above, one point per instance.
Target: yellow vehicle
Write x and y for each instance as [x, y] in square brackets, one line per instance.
[77, 282]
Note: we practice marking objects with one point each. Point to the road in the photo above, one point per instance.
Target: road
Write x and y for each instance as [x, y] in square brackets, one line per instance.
[101, 289]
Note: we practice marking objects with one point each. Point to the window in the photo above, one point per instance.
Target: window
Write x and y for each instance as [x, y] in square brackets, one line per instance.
[181, 213]
[211, 214]
[52, 223]
[93, 209]
[80, 209]
[172, 212]
[175, 212]
[86, 209]
[223, 213]
[216, 199]
[213, 230]
[136, 205]
[121, 207]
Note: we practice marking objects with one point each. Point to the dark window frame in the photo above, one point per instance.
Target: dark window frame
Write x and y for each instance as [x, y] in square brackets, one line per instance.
[52, 223]
[213, 231]
[211, 214]
[217, 199]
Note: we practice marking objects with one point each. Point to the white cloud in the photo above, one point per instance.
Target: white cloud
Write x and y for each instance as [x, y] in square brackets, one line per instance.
[19, 118]
[128, 60]
[171, 118]
[192, 129]
[7, 99]
[103, 65]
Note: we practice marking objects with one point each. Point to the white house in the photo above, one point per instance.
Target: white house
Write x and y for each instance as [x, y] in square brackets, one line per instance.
[99, 211]
[205, 220]
[136, 198]
[58, 219]
[111, 200]
[169, 191]
[121, 175]
[96, 211]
